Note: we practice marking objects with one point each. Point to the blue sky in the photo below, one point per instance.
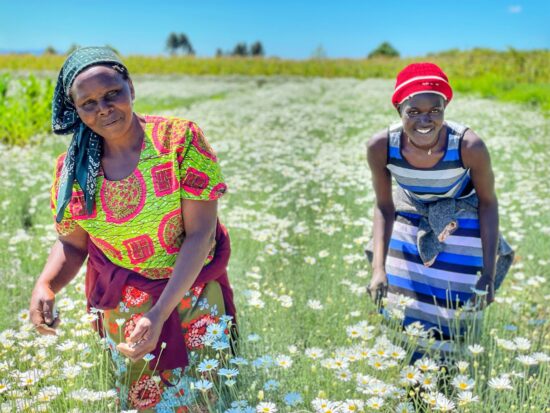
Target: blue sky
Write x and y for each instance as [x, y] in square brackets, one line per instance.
[289, 29]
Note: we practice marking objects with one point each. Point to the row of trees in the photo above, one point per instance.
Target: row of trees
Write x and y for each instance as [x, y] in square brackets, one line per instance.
[241, 49]
[180, 42]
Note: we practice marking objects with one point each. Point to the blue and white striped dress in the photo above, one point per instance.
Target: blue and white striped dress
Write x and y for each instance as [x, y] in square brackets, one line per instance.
[440, 290]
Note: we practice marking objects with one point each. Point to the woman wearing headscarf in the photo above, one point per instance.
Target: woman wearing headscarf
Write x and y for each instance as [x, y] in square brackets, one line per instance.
[137, 195]
[436, 239]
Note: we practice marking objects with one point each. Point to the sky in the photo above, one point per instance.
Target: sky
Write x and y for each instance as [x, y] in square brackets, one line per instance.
[287, 29]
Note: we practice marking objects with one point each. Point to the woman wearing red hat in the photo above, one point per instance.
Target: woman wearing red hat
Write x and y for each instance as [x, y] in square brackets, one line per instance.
[436, 239]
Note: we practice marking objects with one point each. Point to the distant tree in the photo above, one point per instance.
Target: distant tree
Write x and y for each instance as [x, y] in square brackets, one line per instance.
[50, 50]
[385, 49]
[172, 43]
[219, 52]
[319, 53]
[175, 42]
[185, 45]
[240, 50]
[72, 48]
[256, 49]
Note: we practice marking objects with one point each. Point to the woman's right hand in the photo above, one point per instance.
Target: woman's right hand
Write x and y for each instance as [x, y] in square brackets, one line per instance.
[378, 287]
[42, 310]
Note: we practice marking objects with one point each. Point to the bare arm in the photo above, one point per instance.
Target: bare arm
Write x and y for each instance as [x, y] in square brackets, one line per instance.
[199, 219]
[65, 259]
[384, 209]
[476, 157]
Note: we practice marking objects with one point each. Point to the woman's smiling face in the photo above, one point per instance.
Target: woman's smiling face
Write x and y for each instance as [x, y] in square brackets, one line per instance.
[422, 116]
[103, 99]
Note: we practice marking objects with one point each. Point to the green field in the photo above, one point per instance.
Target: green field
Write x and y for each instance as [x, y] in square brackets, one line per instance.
[512, 75]
[299, 212]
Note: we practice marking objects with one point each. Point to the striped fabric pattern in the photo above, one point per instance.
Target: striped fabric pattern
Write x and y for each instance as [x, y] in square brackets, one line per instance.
[447, 179]
[437, 292]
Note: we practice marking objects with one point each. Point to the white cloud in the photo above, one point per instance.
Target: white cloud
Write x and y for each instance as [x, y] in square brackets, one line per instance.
[514, 9]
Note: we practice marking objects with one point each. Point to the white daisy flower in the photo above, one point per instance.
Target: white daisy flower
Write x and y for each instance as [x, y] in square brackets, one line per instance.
[352, 406]
[501, 383]
[506, 344]
[314, 353]
[4, 386]
[476, 349]
[23, 316]
[466, 397]
[323, 254]
[443, 404]
[404, 407]
[314, 304]
[527, 360]
[88, 318]
[522, 343]
[343, 375]
[410, 376]
[283, 361]
[28, 378]
[428, 381]
[266, 407]
[541, 357]
[375, 403]
[426, 364]
[462, 366]
[462, 382]
[310, 260]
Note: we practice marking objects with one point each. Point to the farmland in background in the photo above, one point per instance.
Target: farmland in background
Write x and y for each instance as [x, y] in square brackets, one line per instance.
[299, 213]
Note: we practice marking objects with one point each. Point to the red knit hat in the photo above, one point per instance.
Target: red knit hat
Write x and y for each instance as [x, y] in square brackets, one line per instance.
[421, 78]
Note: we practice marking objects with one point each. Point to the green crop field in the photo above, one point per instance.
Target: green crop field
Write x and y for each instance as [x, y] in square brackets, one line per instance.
[299, 211]
[514, 76]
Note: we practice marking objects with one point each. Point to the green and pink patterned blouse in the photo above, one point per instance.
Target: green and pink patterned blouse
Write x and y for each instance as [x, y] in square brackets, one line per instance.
[137, 221]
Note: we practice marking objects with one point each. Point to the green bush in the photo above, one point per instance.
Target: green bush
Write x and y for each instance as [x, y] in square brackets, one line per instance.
[25, 108]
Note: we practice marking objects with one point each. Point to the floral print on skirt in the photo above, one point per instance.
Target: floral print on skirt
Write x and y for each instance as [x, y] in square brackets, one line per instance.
[147, 390]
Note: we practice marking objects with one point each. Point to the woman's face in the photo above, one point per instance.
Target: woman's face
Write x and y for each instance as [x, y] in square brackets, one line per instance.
[103, 100]
[422, 117]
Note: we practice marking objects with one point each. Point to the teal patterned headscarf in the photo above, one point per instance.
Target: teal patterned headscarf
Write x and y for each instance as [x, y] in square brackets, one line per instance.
[84, 152]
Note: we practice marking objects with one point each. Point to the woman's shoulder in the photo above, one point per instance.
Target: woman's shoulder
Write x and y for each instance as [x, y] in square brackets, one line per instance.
[378, 140]
[377, 148]
[472, 148]
[170, 133]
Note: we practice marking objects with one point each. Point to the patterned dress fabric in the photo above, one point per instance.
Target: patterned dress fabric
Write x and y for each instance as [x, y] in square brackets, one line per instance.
[137, 221]
[137, 224]
[440, 289]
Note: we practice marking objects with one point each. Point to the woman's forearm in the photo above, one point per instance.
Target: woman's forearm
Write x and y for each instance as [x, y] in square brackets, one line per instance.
[488, 227]
[382, 229]
[62, 265]
[189, 263]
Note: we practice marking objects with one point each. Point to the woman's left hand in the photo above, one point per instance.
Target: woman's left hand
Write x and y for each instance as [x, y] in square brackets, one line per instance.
[144, 338]
[485, 288]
